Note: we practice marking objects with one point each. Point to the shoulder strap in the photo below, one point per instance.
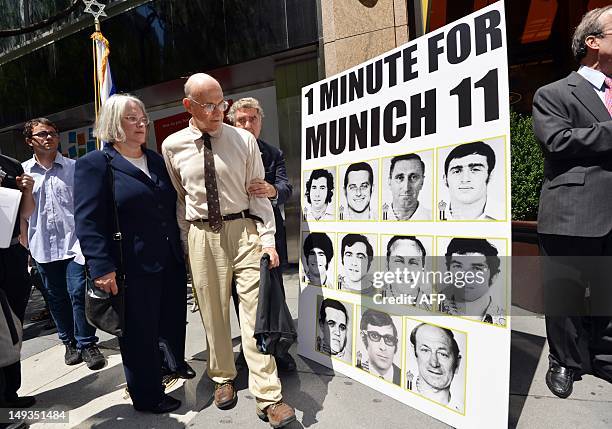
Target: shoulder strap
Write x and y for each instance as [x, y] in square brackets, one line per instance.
[117, 237]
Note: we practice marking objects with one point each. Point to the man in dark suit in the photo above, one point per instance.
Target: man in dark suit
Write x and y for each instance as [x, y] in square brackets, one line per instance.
[572, 120]
[248, 114]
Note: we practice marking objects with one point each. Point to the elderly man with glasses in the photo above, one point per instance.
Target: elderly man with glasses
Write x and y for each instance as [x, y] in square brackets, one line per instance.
[225, 231]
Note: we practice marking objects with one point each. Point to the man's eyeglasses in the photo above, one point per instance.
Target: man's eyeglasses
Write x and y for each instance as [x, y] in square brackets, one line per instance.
[135, 120]
[45, 134]
[389, 340]
[210, 107]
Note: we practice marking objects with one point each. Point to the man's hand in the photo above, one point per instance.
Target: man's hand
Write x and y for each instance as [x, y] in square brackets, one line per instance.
[25, 183]
[107, 283]
[273, 256]
[261, 189]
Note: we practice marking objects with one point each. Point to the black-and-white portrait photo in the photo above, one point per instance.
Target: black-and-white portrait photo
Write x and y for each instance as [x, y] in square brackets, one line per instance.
[334, 328]
[378, 346]
[359, 191]
[356, 263]
[318, 259]
[407, 187]
[408, 259]
[319, 195]
[471, 181]
[474, 285]
[435, 363]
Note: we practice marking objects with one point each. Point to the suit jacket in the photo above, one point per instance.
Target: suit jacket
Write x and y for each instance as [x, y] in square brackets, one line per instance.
[276, 174]
[397, 373]
[274, 329]
[146, 210]
[575, 132]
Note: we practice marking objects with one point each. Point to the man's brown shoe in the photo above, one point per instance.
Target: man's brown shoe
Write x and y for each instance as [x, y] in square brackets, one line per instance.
[278, 415]
[225, 395]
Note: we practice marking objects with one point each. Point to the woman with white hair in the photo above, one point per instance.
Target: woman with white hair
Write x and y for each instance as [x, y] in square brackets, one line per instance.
[152, 255]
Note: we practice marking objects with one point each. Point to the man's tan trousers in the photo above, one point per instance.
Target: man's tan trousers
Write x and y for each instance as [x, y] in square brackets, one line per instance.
[215, 258]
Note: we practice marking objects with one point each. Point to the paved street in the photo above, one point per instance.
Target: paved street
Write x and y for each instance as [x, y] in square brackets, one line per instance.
[322, 399]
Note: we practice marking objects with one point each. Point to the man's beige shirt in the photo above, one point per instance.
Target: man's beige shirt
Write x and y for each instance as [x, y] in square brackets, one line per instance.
[237, 162]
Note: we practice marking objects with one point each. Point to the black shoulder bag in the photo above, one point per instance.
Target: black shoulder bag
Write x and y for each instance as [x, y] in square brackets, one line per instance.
[104, 310]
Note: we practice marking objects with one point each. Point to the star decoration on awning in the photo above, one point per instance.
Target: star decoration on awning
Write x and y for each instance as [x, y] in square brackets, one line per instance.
[90, 4]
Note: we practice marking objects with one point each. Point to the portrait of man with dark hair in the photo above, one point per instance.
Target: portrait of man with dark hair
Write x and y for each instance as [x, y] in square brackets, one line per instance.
[438, 359]
[473, 265]
[319, 193]
[358, 193]
[334, 329]
[467, 173]
[380, 340]
[405, 179]
[317, 256]
[356, 256]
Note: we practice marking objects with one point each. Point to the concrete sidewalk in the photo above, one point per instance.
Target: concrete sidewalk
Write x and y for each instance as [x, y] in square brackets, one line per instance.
[321, 398]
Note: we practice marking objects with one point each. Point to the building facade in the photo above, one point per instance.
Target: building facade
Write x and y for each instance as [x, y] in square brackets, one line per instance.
[269, 49]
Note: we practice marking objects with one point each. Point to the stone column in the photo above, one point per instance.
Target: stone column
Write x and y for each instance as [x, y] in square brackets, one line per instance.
[357, 30]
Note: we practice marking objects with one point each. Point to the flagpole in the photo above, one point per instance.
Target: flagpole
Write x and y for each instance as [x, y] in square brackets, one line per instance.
[96, 10]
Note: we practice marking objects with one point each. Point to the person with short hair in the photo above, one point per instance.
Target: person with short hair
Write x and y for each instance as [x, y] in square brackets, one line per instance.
[379, 336]
[467, 172]
[357, 255]
[149, 254]
[54, 244]
[319, 196]
[472, 295]
[406, 254]
[572, 122]
[333, 326]
[406, 176]
[248, 114]
[225, 233]
[438, 359]
[358, 188]
[318, 252]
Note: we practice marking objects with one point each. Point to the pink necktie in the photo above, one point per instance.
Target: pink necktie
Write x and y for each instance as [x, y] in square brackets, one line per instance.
[608, 96]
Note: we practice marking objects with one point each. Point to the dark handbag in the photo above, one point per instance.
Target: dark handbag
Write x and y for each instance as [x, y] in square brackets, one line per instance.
[104, 310]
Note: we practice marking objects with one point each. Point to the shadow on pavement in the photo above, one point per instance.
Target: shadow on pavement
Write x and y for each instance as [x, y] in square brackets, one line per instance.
[525, 353]
[124, 416]
[84, 390]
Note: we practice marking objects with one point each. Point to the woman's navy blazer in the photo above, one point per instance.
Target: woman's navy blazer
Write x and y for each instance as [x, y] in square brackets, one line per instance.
[146, 210]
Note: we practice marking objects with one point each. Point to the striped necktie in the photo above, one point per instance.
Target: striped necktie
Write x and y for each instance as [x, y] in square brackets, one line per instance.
[210, 183]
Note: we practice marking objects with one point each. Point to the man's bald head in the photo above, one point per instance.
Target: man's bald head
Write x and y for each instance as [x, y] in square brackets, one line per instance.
[200, 83]
[203, 93]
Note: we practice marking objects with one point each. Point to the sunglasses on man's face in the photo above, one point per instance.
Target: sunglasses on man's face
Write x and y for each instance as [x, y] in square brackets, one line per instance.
[389, 340]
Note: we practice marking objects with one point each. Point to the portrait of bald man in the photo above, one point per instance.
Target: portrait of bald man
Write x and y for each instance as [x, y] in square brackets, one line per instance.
[438, 363]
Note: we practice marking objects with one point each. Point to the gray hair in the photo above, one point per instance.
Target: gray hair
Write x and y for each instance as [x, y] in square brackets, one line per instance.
[590, 25]
[244, 103]
[108, 125]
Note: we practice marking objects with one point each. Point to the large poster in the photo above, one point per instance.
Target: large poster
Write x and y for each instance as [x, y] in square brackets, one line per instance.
[405, 232]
